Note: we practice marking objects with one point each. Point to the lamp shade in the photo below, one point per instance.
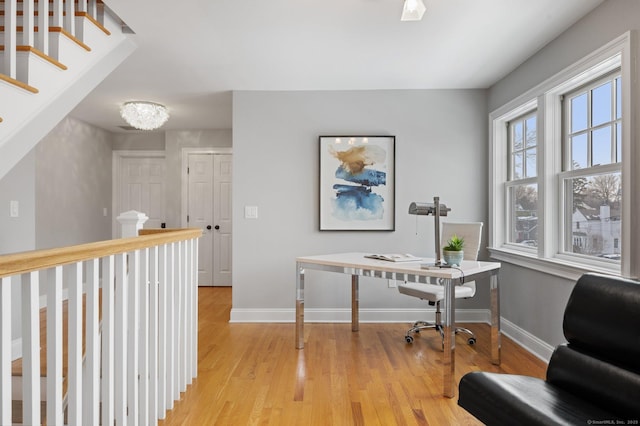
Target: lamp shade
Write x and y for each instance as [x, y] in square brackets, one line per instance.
[144, 115]
[412, 10]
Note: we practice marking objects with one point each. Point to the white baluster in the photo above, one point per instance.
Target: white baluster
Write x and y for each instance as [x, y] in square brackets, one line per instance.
[54, 346]
[171, 320]
[162, 330]
[153, 336]
[184, 285]
[108, 348]
[28, 17]
[179, 336]
[143, 341]
[70, 17]
[10, 42]
[195, 308]
[120, 389]
[188, 313]
[92, 9]
[57, 13]
[74, 351]
[92, 391]
[133, 316]
[42, 36]
[5, 351]
[30, 348]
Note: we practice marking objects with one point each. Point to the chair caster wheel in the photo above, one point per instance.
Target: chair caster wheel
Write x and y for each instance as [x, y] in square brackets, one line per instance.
[409, 339]
[471, 341]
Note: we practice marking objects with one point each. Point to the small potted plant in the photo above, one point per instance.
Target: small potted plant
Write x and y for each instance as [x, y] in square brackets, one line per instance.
[452, 253]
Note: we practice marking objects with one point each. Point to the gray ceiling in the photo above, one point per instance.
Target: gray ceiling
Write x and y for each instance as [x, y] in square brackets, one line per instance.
[193, 53]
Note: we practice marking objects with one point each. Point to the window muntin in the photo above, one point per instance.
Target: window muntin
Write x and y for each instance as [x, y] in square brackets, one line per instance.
[594, 118]
[523, 143]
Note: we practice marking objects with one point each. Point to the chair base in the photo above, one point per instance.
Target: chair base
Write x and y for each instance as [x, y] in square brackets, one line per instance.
[423, 325]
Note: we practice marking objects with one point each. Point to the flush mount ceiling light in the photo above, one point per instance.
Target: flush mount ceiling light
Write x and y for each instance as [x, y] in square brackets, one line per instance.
[412, 10]
[144, 115]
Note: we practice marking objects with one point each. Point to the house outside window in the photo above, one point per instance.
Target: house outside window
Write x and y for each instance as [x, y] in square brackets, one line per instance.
[560, 198]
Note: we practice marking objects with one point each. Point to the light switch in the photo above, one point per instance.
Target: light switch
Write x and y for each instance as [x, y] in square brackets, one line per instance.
[250, 212]
[14, 208]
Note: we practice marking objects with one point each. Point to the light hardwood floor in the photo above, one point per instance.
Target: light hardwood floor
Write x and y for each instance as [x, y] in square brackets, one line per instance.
[251, 374]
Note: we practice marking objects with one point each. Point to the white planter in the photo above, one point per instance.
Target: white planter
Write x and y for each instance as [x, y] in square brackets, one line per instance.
[453, 258]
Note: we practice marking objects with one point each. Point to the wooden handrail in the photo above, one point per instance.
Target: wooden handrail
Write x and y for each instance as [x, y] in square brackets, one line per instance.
[20, 263]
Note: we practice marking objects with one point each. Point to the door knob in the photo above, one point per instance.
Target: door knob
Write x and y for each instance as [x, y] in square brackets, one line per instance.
[217, 226]
[209, 227]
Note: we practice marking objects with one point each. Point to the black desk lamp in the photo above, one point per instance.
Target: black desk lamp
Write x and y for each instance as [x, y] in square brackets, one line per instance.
[435, 209]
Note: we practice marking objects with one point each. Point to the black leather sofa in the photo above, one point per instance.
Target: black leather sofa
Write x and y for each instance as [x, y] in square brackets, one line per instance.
[593, 379]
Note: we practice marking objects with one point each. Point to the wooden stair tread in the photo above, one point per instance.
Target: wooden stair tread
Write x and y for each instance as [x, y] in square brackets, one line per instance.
[18, 83]
[16, 412]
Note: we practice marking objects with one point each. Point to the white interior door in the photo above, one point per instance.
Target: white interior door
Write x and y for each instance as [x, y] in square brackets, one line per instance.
[222, 219]
[209, 208]
[141, 187]
[200, 211]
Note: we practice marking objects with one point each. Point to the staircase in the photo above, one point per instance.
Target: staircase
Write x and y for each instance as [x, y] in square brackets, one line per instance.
[52, 54]
[117, 343]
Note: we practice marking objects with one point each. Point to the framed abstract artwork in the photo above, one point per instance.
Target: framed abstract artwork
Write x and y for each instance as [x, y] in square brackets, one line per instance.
[357, 183]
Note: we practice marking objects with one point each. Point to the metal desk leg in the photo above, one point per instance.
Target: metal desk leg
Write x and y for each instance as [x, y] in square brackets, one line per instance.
[449, 328]
[299, 307]
[495, 319]
[355, 303]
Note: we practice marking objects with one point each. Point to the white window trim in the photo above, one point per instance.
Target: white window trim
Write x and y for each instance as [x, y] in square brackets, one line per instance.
[620, 52]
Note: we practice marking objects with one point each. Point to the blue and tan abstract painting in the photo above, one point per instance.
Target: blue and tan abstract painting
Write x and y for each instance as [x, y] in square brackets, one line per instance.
[359, 172]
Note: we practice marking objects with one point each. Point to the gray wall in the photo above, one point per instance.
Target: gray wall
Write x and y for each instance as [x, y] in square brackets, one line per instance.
[18, 233]
[532, 300]
[62, 186]
[275, 149]
[73, 185]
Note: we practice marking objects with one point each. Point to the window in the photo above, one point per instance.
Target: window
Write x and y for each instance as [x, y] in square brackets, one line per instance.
[522, 187]
[591, 177]
[560, 200]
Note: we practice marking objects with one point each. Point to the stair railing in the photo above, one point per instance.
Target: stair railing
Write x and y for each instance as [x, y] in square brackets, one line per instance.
[35, 25]
[143, 290]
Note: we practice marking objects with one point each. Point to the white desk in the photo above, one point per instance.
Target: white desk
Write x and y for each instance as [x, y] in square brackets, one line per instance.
[356, 265]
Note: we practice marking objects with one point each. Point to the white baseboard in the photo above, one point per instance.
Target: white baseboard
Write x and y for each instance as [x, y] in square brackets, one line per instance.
[522, 337]
[531, 343]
